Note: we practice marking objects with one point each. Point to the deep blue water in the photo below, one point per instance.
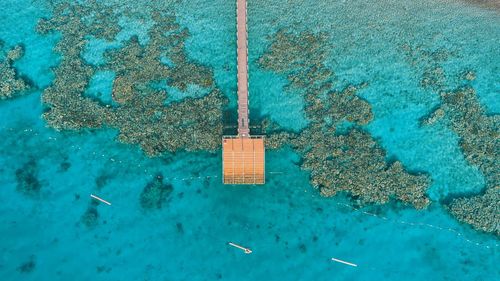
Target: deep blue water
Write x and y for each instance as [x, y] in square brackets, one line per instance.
[292, 231]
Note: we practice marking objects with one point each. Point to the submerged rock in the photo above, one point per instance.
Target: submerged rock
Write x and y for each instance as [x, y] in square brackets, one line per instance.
[155, 194]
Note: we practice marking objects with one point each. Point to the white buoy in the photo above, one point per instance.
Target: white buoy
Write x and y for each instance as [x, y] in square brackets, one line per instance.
[100, 199]
[245, 250]
[344, 262]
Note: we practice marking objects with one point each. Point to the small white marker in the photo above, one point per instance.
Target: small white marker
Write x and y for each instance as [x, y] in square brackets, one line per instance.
[100, 199]
[344, 262]
[246, 250]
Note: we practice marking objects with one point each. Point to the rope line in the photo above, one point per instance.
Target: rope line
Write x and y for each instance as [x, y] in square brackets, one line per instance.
[275, 173]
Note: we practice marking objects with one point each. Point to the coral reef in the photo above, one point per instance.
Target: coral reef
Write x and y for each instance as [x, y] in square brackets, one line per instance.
[478, 132]
[275, 140]
[351, 161]
[11, 83]
[356, 163]
[141, 117]
[462, 112]
[481, 211]
[428, 62]
[137, 66]
[192, 124]
[27, 179]
[155, 193]
[480, 143]
[68, 109]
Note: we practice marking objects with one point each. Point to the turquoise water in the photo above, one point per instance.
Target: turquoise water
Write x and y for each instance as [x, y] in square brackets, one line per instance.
[292, 231]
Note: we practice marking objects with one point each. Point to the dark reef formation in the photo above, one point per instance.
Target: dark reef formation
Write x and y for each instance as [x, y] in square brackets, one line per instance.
[141, 115]
[27, 179]
[28, 266]
[91, 216]
[11, 83]
[350, 161]
[155, 194]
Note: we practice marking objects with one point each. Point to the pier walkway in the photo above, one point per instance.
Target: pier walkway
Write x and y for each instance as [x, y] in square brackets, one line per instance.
[243, 156]
[242, 42]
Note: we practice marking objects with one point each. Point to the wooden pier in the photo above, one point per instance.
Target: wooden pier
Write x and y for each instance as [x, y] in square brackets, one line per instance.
[242, 41]
[243, 156]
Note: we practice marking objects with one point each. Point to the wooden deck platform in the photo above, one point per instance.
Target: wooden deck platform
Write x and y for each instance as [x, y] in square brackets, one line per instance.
[243, 160]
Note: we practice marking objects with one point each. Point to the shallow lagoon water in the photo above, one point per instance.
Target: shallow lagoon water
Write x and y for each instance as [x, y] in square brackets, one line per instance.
[291, 229]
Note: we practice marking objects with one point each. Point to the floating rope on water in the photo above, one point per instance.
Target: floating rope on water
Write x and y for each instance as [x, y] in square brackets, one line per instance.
[417, 224]
[344, 262]
[245, 250]
[100, 199]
